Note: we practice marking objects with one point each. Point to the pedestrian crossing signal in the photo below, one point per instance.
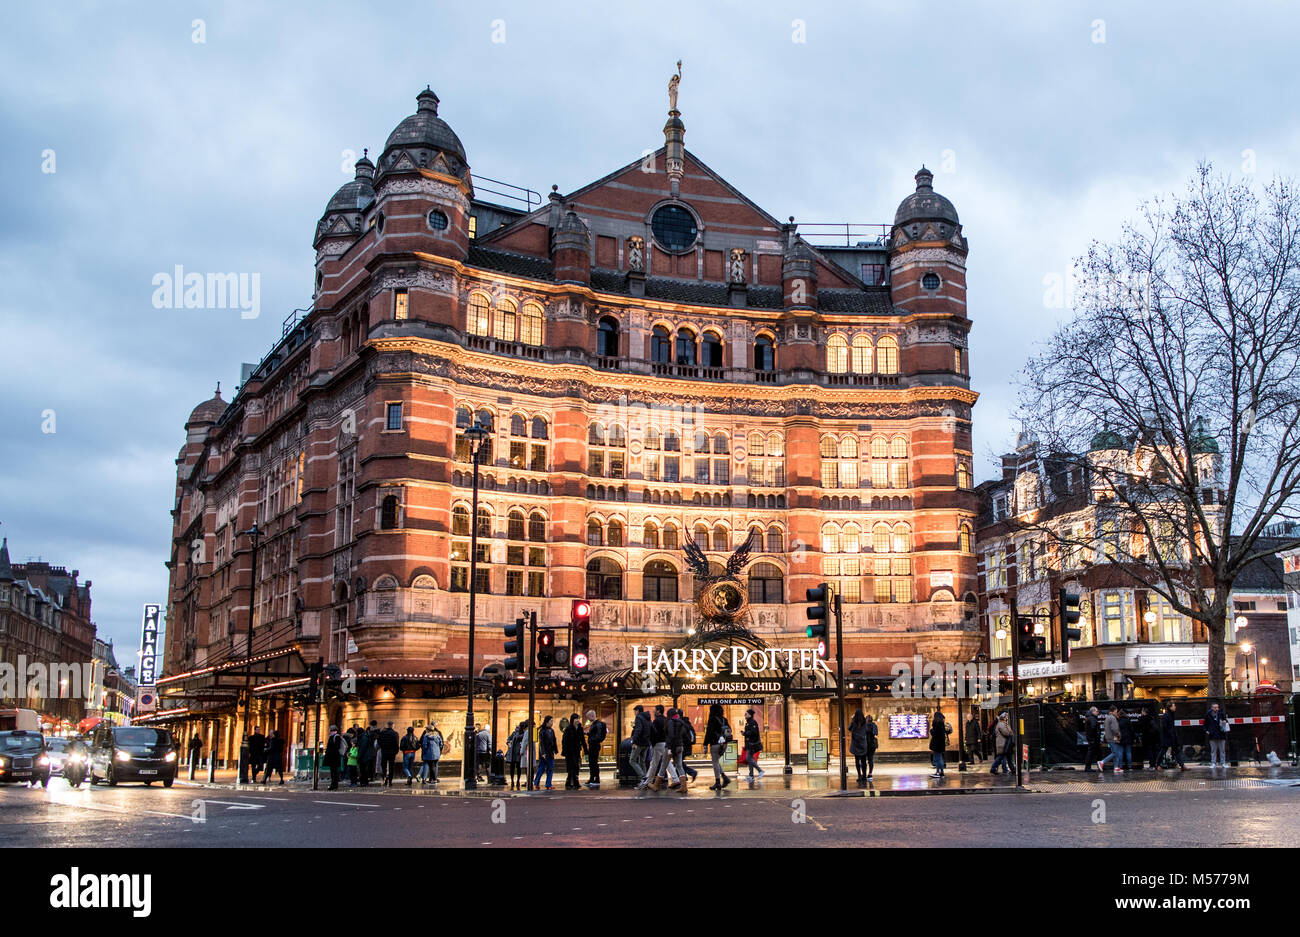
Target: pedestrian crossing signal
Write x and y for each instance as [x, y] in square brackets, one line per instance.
[546, 649]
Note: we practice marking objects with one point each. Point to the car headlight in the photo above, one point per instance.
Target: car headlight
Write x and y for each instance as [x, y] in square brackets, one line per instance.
[43, 760]
[75, 759]
[170, 756]
[123, 756]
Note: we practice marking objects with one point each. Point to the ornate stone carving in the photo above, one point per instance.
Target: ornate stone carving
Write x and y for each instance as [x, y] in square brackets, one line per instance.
[736, 266]
[636, 254]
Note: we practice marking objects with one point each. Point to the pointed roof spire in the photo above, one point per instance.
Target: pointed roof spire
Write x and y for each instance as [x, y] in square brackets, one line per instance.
[6, 571]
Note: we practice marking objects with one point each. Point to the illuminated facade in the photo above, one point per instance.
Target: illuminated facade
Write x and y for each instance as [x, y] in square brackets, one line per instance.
[659, 360]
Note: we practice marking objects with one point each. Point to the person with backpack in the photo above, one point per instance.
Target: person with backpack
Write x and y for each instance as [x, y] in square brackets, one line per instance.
[658, 748]
[546, 751]
[688, 747]
[753, 744]
[408, 746]
[573, 747]
[717, 733]
[859, 736]
[673, 761]
[596, 732]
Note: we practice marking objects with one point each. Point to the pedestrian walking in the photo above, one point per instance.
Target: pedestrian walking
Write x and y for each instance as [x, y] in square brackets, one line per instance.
[717, 733]
[688, 747]
[483, 751]
[256, 752]
[1216, 733]
[873, 742]
[573, 747]
[1126, 737]
[658, 749]
[1092, 735]
[753, 744]
[974, 738]
[431, 748]
[273, 757]
[673, 762]
[408, 747]
[1148, 733]
[546, 750]
[938, 743]
[336, 747]
[859, 741]
[640, 743]
[517, 754]
[1003, 742]
[596, 733]
[389, 745]
[366, 749]
[196, 750]
[1114, 738]
[1169, 736]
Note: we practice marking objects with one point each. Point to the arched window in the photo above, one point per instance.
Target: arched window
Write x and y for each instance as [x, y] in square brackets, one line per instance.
[685, 347]
[701, 536]
[615, 536]
[829, 447]
[701, 442]
[652, 440]
[849, 447]
[711, 353]
[902, 538]
[764, 354]
[862, 354]
[851, 541]
[530, 326]
[484, 522]
[670, 537]
[388, 513]
[607, 337]
[672, 442]
[659, 582]
[879, 447]
[478, 314]
[765, 584]
[775, 541]
[595, 435]
[660, 346]
[963, 475]
[595, 535]
[964, 539]
[756, 444]
[650, 536]
[515, 525]
[537, 527]
[460, 521]
[720, 540]
[617, 436]
[830, 538]
[503, 321]
[539, 428]
[604, 579]
[887, 356]
[720, 446]
[463, 418]
[880, 540]
[775, 445]
[898, 448]
[837, 354]
[518, 425]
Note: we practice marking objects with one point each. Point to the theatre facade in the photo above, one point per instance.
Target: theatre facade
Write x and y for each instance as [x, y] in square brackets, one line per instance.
[657, 362]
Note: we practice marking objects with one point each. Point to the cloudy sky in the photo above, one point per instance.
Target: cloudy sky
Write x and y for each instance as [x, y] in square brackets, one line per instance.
[130, 146]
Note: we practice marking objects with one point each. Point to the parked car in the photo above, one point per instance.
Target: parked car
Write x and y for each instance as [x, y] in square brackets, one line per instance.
[132, 753]
[23, 758]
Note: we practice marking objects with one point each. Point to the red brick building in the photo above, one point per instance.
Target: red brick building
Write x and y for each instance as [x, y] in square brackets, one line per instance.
[659, 359]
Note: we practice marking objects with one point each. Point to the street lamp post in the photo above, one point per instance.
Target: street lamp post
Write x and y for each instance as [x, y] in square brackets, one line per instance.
[477, 435]
[255, 534]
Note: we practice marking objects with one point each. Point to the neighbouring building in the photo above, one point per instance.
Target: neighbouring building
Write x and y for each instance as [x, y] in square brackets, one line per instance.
[45, 621]
[657, 360]
[1053, 521]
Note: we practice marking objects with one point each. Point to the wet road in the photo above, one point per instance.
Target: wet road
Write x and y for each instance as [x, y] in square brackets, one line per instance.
[132, 815]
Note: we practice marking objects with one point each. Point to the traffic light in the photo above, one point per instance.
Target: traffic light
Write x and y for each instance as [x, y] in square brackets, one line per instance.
[547, 654]
[819, 615]
[580, 636]
[1069, 616]
[515, 645]
[1032, 645]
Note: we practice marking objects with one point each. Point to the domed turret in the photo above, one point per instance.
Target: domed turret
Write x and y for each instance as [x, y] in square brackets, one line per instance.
[571, 249]
[424, 141]
[1106, 439]
[925, 204]
[209, 411]
[1202, 442]
[343, 213]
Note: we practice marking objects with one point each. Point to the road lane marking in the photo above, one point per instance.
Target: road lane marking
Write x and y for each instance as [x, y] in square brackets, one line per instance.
[343, 803]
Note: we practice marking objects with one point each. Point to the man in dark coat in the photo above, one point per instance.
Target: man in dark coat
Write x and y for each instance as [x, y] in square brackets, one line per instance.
[1092, 733]
[596, 732]
[975, 738]
[1169, 735]
[274, 759]
[640, 743]
[389, 743]
[335, 751]
[256, 751]
[366, 753]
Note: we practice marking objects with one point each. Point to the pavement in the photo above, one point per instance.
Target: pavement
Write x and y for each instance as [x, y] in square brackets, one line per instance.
[888, 780]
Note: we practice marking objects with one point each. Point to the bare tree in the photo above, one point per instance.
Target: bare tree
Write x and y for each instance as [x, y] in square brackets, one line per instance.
[1184, 355]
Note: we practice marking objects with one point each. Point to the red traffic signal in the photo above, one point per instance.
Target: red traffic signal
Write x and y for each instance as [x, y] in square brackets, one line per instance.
[580, 636]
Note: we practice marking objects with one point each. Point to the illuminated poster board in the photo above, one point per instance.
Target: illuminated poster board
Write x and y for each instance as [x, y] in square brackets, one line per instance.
[909, 726]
